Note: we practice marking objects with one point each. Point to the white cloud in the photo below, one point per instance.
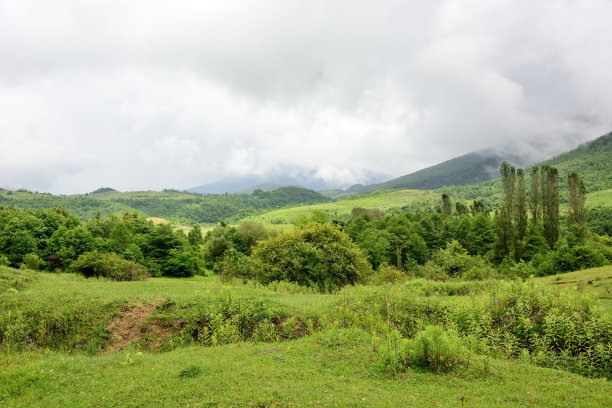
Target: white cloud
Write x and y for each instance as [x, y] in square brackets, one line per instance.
[147, 95]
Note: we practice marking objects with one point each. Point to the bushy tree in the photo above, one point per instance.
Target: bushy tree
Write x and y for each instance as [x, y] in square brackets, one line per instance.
[251, 232]
[317, 255]
[96, 264]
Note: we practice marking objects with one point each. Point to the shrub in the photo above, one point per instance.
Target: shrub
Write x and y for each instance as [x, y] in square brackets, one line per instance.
[31, 261]
[96, 264]
[432, 349]
[388, 274]
[235, 265]
[317, 255]
[437, 350]
[182, 263]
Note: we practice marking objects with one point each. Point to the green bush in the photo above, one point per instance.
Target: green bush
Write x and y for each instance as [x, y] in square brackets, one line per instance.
[31, 261]
[435, 349]
[235, 265]
[97, 264]
[317, 255]
[388, 274]
[192, 371]
[432, 349]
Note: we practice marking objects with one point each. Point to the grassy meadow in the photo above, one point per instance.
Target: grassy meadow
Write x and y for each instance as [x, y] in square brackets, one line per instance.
[316, 349]
[283, 219]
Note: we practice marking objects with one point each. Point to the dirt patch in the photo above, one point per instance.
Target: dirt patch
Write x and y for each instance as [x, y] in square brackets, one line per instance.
[132, 326]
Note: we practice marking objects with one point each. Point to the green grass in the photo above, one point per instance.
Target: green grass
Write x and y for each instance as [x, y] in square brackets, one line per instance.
[49, 287]
[578, 281]
[601, 198]
[333, 368]
[282, 219]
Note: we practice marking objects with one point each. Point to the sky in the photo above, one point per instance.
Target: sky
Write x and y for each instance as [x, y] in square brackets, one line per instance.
[153, 94]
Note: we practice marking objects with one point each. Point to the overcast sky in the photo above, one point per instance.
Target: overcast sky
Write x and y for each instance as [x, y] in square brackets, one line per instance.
[153, 94]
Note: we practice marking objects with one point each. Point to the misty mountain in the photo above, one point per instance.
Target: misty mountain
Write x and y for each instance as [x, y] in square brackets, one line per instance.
[592, 161]
[471, 168]
[262, 187]
[248, 184]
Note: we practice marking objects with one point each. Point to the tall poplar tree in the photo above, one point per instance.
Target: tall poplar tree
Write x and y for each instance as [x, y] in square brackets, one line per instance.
[577, 197]
[550, 204]
[535, 199]
[504, 218]
[520, 210]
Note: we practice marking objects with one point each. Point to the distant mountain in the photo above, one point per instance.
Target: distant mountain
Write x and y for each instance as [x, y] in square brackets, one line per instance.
[592, 161]
[262, 187]
[248, 184]
[471, 168]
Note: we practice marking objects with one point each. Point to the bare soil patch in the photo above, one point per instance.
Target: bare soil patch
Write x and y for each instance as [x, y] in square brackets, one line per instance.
[132, 326]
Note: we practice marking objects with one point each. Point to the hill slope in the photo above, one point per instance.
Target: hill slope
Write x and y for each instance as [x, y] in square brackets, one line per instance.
[592, 161]
[471, 168]
[167, 204]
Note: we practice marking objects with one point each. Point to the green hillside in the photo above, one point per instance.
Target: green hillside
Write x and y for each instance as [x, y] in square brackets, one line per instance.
[592, 161]
[382, 199]
[168, 204]
[468, 169]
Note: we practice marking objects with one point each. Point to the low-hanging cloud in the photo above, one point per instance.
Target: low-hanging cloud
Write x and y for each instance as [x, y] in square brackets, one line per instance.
[147, 95]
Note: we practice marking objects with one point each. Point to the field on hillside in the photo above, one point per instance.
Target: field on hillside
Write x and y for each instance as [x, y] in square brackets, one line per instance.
[71, 341]
[595, 281]
[282, 219]
[601, 198]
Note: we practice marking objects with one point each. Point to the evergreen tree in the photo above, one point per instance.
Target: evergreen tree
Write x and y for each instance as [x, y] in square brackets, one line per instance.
[479, 207]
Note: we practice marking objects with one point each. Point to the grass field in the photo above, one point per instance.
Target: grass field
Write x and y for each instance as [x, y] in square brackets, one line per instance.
[601, 198]
[334, 365]
[595, 281]
[283, 218]
[336, 368]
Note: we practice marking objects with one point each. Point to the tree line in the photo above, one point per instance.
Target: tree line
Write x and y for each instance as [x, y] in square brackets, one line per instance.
[523, 237]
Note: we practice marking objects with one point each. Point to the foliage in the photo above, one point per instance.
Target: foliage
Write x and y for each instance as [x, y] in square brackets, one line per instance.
[171, 204]
[94, 264]
[437, 350]
[388, 274]
[318, 255]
